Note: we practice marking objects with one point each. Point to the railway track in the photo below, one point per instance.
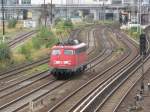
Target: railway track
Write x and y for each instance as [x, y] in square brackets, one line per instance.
[98, 108]
[16, 100]
[21, 38]
[20, 69]
[129, 83]
[70, 81]
[6, 76]
[67, 104]
[9, 88]
[117, 96]
[80, 100]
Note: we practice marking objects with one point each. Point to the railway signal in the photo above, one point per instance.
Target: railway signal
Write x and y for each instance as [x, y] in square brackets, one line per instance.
[142, 53]
[143, 44]
[120, 18]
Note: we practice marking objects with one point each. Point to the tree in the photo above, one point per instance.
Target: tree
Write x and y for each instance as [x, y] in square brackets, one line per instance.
[26, 50]
[5, 53]
[12, 23]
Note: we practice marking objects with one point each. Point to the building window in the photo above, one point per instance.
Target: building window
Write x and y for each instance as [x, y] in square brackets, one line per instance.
[26, 2]
[16, 1]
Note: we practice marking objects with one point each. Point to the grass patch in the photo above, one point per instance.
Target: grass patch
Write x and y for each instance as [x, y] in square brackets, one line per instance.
[119, 50]
[38, 69]
[134, 32]
[105, 22]
[37, 47]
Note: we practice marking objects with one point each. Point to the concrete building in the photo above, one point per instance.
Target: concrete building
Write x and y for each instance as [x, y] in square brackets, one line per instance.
[26, 2]
[131, 2]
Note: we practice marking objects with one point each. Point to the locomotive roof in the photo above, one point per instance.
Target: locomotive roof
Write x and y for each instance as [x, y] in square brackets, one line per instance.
[70, 46]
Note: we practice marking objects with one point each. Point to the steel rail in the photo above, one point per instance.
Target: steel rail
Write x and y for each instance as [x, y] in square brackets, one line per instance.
[16, 100]
[100, 94]
[36, 78]
[21, 38]
[45, 93]
[33, 100]
[148, 57]
[117, 106]
[61, 102]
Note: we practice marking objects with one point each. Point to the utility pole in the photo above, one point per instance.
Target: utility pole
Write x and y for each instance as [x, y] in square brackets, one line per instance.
[103, 9]
[140, 15]
[51, 12]
[3, 19]
[45, 19]
[66, 11]
[139, 11]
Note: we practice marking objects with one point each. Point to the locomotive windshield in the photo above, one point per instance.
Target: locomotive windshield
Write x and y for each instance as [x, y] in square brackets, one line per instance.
[68, 52]
[56, 52]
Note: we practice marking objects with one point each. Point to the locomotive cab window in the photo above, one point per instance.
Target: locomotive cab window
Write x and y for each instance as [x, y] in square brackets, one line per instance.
[68, 52]
[80, 50]
[56, 52]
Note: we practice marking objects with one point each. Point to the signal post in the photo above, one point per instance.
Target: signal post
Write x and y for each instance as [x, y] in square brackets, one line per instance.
[143, 54]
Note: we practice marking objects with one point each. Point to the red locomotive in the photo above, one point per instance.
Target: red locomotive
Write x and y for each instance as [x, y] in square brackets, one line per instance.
[68, 58]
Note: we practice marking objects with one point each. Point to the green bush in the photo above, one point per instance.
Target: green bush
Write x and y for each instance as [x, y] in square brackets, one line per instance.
[133, 32]
[36, 43]
[68, 24]
[52, 41]
[44, 38]
[58, 20]
[135, 35]
[64, 25]
[12, 23]
[26, 50]
[5, 53]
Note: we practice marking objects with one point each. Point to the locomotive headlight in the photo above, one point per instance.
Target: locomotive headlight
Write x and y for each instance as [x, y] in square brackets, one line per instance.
[63, 62]
[57, 62]
[67, 62]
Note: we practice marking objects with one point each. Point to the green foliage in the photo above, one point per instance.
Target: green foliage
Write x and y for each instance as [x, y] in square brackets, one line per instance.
[44, 38]
[133, 29]
[57, 20]
[68, 24]
[12, 23]
[52, 41]
[134, 32]
[36, 43]
[44, 34]
[64, 25]
[26, 50]
[5, 53]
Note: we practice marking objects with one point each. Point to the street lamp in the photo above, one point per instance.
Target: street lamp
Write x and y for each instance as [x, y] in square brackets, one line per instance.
[3, 19]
